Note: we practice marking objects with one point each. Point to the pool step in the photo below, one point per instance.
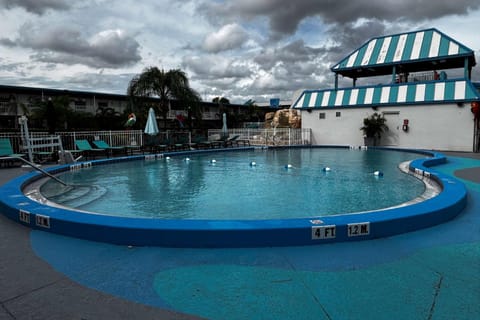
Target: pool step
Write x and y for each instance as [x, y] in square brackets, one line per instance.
[78, 196]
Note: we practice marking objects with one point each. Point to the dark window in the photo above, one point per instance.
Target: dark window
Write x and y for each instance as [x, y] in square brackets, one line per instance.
[338, 114]
[321, 115]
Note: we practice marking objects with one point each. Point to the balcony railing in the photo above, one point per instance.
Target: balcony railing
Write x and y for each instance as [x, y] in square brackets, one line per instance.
[7, 109]
[172, 114]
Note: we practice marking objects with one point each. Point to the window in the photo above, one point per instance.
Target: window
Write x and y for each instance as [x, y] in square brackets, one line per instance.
[80, 105]
[338, 114]
[321, 115]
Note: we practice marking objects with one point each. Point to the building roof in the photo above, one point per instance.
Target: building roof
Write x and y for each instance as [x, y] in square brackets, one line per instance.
[6, 89]
[441, 91]
[415, 51]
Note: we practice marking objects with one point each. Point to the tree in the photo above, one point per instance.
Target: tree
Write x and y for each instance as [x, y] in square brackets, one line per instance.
[221, 100]
[253, 112]
[153, 82]
[52, 114]
[108, 118]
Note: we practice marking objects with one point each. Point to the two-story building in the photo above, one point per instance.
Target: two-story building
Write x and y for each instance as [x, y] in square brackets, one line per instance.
[425, 94]
[17, 100]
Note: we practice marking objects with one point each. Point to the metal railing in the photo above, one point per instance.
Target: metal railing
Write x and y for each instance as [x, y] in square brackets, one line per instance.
[206, 115]
[113, 138]
[264, 137]
[267, 137]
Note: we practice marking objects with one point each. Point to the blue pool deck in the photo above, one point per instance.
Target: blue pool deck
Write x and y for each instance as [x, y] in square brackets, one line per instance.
[427, 274]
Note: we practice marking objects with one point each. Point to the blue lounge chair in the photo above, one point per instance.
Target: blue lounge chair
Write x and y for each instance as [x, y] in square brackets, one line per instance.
[9, 157]
[101, 144]
[87, 150]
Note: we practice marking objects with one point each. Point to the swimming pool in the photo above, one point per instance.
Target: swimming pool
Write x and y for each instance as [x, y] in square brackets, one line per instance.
[236, 232]
[250, 185]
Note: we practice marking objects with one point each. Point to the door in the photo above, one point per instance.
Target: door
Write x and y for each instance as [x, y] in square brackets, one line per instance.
[391, 136]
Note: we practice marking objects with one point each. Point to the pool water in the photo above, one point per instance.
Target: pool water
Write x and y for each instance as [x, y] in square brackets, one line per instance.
[231, 188]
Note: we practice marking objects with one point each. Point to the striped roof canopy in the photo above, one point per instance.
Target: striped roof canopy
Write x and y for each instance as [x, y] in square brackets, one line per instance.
[421, 50]
[447, 91]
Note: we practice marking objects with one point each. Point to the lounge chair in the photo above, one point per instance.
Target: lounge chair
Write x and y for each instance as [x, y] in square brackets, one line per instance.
[101, 144]
[87, 150]
[230, 142]
[152, 144]
[217, 141]
[9, 157]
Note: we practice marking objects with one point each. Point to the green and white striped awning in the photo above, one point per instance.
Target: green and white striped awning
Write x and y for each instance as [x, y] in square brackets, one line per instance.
[430, 48]
[447, 91]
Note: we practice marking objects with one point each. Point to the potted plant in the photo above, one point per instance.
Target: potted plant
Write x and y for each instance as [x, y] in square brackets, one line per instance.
[373, 127]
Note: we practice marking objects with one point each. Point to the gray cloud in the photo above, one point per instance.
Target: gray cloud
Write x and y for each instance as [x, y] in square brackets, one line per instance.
[293, 52]
[67, 45]
[230, 36]
[284, 16]
[239, 49]
[214, 67]
[37, 6]
[102, 82]
[275, 71]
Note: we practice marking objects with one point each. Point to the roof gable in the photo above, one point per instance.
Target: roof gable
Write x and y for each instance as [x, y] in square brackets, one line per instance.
[419, 50]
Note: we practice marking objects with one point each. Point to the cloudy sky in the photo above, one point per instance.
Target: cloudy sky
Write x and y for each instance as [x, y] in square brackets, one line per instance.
[239, 49]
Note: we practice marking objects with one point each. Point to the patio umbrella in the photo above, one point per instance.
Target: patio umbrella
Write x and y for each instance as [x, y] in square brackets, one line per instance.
[224, 128]
[151, 128]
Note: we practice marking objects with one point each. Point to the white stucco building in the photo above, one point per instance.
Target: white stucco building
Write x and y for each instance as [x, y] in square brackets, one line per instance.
[425, 107]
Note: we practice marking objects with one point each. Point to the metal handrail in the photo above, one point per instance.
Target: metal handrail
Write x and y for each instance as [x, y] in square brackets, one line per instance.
[36, 168]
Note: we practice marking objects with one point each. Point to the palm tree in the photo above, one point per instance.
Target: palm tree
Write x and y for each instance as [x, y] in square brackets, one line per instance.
[221, 100]
[173, 84]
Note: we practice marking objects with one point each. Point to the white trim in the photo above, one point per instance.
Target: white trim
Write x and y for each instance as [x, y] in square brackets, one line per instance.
[453, 48]
[313, 98]
[439, 91]
[339, 97]
[368, 52]
[385, 95]
[383, 51]
[299, 104]
[417, 45]
[369, 96]
[402, 40]
[352, 59]
[420, 92]
[353, 97]
[326, 97]
[434, 45]
[460, 87]
[402, 93]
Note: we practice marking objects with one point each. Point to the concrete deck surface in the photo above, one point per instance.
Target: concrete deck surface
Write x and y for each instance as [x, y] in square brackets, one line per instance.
[430, 274]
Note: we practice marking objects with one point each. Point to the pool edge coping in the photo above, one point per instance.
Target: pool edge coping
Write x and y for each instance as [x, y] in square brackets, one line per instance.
[238, 233]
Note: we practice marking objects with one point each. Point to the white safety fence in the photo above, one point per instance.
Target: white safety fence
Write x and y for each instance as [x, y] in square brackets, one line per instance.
[267, 137]
[263, 137]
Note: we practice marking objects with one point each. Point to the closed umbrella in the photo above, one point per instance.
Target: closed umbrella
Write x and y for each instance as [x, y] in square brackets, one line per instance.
[51, 116]
[224, 128]
[151, 127]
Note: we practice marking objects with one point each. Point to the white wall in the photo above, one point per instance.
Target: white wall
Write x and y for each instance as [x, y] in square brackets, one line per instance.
[437, 127]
